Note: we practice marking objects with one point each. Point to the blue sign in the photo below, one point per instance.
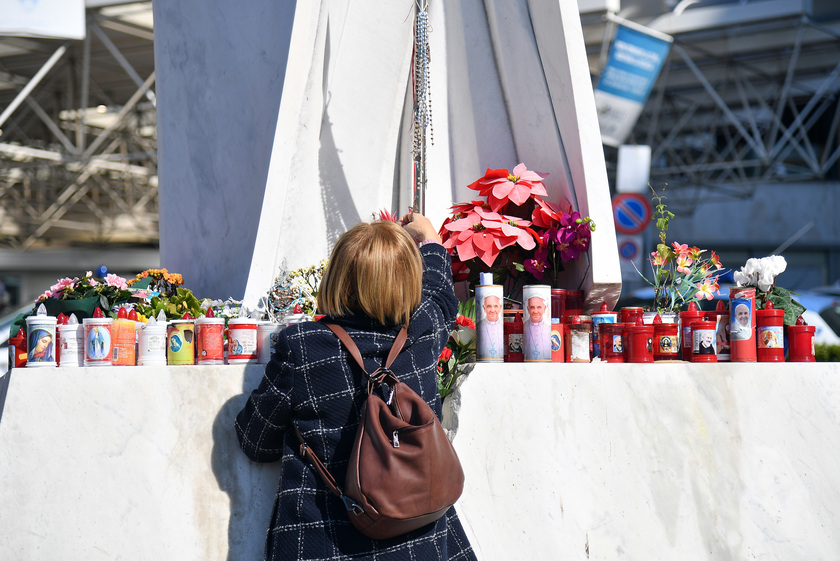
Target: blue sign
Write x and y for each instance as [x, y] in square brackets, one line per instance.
[635, 62]
[636, 58]
[631, 212]
[628, 250]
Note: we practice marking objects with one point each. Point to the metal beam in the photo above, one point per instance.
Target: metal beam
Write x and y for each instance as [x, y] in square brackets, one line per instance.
[115, 52]
[36, 79]
[759, 149]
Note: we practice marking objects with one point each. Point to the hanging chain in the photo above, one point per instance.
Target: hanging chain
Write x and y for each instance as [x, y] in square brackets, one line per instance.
[422, 102]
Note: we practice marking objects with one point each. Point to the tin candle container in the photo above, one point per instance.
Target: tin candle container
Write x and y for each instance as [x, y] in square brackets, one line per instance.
[629, 314]
[558, 347]
[124, 336]
[151, 343]
[210, 340]
[180, 342]
[72, 342]
[558, 305]
[268, 332]
[242, 341]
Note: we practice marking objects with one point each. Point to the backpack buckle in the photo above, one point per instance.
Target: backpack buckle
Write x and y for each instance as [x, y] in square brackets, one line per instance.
[352, 506]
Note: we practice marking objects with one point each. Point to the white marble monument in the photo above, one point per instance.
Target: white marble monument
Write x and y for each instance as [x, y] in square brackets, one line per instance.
[696, 462]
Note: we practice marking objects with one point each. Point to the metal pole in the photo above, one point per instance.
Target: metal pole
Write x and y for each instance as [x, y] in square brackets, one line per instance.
[36, 79]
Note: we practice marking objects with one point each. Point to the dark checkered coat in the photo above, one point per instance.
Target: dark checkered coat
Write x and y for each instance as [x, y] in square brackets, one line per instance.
[312, 381]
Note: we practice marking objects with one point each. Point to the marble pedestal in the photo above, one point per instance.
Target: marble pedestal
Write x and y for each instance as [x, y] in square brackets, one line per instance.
[579, 461]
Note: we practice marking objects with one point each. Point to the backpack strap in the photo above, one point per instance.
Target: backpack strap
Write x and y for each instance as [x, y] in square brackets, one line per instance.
[353, 349]
[312, 458]
[306, 452]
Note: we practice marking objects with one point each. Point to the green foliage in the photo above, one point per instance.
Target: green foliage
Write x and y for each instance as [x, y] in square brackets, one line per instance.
[827, 353]
[782, 300]
[661, 214]
[175, 307]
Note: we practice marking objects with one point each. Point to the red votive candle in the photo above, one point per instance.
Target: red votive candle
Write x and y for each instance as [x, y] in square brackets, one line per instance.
[666, 340]
[703, 348]
[801, 342]
[770, 334]
[611, 342]
[686, 318]
[639, 342]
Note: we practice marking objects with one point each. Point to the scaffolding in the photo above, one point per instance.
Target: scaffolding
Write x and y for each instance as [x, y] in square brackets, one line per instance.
[747, 97]
[78, 147]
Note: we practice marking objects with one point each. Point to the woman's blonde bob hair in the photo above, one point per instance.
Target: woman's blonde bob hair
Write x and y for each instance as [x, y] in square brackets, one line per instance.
[375, 268]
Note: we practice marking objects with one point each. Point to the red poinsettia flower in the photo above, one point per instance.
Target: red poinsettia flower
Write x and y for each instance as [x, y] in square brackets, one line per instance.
[546, 214]
[460, 271]
[472, 238]
[499, 186]
[387, 215]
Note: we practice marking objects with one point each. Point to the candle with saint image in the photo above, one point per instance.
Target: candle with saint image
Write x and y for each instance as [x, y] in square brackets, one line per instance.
[490, 333]
[537, 322]
[742, 324]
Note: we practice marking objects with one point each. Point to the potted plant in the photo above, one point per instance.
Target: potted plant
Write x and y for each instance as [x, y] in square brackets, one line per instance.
[679, 274]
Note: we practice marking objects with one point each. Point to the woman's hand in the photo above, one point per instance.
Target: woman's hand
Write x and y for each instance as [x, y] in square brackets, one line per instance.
[419, 227]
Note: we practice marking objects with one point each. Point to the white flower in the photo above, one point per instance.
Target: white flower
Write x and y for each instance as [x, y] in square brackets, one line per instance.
[765, 281]
[741, 278]
[774, 265]
[761, 273]
[464, 335]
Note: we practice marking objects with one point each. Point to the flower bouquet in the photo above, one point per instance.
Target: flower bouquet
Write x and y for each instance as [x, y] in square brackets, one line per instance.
[680, 274]
[761, 274]
[82, 295]
[158, 290]
[513, 232]
[458, 356]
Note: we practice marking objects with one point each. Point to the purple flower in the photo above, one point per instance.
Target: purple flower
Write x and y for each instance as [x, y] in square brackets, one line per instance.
[539, 263]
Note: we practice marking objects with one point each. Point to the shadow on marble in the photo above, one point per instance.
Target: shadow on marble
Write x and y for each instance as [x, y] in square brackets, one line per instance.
[251, 487]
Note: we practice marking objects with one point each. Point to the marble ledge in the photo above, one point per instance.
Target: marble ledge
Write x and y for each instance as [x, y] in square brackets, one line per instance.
[573, 461]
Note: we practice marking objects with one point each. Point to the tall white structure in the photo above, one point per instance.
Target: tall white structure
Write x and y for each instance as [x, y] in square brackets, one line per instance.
[509, 84]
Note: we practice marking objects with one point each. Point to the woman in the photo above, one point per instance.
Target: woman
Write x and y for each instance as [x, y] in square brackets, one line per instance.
[40, 346]
[376, 281]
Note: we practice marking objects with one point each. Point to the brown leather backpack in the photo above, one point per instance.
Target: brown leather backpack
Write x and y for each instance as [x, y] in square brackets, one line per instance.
[403, 471]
